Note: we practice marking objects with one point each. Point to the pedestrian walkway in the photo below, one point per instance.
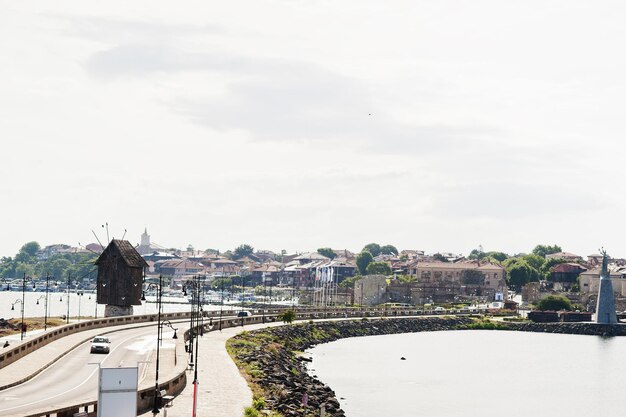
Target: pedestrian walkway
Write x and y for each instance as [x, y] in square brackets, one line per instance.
[222, 390]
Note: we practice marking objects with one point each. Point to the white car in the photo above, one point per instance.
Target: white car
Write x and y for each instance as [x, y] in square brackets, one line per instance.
[100, 344]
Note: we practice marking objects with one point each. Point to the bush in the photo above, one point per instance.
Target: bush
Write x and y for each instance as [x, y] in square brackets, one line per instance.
[250, 412]
[554, 303]
[287, 316]
[258, 403]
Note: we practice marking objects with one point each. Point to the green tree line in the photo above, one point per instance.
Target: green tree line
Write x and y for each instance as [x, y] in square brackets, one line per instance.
[79, 265]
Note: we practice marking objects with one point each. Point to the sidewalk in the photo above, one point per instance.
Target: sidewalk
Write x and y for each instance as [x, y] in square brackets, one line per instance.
[222, 391]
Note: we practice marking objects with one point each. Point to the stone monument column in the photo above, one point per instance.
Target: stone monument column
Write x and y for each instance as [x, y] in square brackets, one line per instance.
[605, 308]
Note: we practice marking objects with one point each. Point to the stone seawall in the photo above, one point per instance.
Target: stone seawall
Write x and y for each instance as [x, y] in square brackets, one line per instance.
[279, 378]
[588, 329]
[276, 373]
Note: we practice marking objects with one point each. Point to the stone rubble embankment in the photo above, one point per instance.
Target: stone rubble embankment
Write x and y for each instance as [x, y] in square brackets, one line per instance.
[273, 364]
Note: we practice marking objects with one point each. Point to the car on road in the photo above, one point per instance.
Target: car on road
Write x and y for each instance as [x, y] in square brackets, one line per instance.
[244, 314]
[100, 344]
[439, 310]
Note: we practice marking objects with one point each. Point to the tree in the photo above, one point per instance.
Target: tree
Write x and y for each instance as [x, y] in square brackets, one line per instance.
[28, 252]
[472, 277]
[372, 248]
[287, 316]
[22, 268]
[327, 252]
[477, 253]
[219, 283]
[349, 282]
[439, 257]
[378, 268]
[363, 259]
[543, 250]
[389, 250]
[554, 303]
[549, 263]
[31, 248]
[406, 279]
[242, 250]
[535, 261]
[498, 256]
[519, 273]
[7, 267]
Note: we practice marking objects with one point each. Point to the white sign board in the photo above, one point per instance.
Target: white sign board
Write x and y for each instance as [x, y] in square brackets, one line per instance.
[117, 393]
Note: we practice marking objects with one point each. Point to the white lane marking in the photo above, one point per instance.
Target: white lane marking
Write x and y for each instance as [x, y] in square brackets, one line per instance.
[57, 363]
[71, 389]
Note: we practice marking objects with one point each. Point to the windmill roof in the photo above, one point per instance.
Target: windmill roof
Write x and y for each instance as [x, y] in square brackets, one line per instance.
[130, 255]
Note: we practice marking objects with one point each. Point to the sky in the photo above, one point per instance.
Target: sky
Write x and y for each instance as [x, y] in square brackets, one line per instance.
[437, 125]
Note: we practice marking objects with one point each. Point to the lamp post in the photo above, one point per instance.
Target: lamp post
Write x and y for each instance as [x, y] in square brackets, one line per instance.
[45, 310]
[222, 301]
[69, 283]
[80, 296]
[20, 301]
[24, 279]
[159, 288]
[196, 323]
[199, 315]
[264, 295]
[243, 292]
[191, 284]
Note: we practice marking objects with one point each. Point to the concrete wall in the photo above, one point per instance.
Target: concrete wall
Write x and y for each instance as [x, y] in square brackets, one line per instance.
[370, 290]
[28, 346]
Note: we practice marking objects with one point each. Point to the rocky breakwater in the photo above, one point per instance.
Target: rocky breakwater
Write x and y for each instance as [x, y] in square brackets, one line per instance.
[277, 373]
[590, 329]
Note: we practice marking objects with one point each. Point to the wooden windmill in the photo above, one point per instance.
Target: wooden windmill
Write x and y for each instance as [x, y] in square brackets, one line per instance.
[120, 278]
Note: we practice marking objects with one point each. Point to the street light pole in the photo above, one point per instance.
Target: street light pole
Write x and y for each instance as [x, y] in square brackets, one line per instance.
[243, 293]
[23, 295]
[69, 276]
[195, 371]
[157, 394]
[80, 295]
[18, 301]
[45, 319]
[222, 300]
[264, 294]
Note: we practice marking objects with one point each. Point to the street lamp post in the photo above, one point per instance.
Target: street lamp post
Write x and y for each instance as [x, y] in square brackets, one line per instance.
[69, 283]
[20, 301]
[45, 310]
[201, 330]
[222, 301]
[197, 324]
[80, 296]
[243, 293]
[157, 394]
[192, 334]
[24, 279]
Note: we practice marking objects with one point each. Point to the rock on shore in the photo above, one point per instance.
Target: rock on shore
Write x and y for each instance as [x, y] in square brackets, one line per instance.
[270, 359]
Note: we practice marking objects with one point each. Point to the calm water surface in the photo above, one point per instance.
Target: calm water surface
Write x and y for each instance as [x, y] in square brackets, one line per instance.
[84, 305]
[475, 373]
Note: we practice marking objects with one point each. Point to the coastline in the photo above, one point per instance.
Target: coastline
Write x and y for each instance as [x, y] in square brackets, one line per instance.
[273, 366]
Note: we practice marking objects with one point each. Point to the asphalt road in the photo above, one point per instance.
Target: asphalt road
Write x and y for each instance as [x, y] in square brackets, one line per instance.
[74, 378]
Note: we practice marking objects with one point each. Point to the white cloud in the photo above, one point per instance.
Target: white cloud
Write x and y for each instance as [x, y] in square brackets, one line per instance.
[303, 124]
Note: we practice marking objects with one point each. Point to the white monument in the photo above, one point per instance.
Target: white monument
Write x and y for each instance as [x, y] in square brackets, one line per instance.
[605, 309]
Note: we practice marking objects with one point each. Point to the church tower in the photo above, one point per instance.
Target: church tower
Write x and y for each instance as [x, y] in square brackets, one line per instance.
[145, 238]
